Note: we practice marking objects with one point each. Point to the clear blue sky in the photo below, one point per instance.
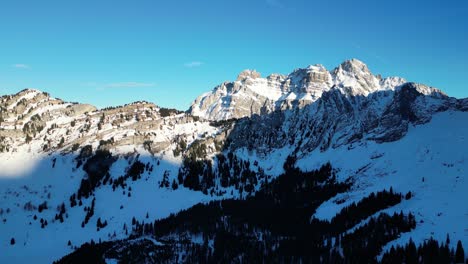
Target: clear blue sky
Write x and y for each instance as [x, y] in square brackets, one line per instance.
[168, 52]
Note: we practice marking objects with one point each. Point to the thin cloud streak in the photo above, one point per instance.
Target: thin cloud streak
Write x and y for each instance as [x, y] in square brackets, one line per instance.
[193, 64]
[21, 66]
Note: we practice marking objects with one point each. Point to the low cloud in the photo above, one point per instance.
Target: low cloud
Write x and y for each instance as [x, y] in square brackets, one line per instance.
[193, 64]
[128, 85]
[21, 66]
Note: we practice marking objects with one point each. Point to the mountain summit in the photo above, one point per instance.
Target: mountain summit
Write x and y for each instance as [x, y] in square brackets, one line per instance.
[251, 94]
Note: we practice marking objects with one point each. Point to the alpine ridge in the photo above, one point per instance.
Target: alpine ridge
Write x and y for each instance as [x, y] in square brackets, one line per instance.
[250, 94]
[273, 164]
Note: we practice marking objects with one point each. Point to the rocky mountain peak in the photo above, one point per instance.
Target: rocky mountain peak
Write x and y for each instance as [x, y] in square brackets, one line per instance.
[317, 68]
[248, 74]
[356, 77]
[29, 90]
[250, 94]
[354, 65]
[25, 99]
[313, 74]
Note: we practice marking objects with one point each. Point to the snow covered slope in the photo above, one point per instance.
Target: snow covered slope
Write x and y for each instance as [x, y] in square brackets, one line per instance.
[21, 196]
[70, 173]
[431, 162]
[411, 139]
[43, 142]
[433, 177]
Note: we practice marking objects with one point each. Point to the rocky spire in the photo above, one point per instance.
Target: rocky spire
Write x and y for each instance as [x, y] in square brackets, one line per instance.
[356, 77]
[248, 74]
[354, 65]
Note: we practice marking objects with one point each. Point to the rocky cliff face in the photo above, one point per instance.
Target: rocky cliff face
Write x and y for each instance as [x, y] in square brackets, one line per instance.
[250, 94]
[338, 118]
[44, 124]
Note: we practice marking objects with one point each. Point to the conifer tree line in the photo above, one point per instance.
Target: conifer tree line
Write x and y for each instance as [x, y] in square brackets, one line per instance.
[430, 251]
[272, 224]
[275, 225]
[224, 171]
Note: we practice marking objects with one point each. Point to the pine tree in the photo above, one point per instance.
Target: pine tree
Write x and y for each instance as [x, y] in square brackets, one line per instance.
[408, 195]
[174, 185]
[99, 224]
[459, 253]
[411, 253]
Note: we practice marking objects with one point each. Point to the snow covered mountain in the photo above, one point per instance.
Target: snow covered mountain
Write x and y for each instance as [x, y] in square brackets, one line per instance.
[250, 94]
[46, 147]
[71, 173]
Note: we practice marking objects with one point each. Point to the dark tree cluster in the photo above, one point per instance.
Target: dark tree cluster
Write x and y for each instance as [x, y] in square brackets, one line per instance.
[85, 152]
[200, 174]
[89, 213]
[141, 228]
[280, 212]
[34, 126]
[223, 123]
[73, 200]
[101, 121]
[42, 207]
[134, 172]
[180, 147]
[62, 210]
[100, 224]
[367, 241]
[87, 253]
[428, 252]
[75, 147]
[97, 168]
[164, 183]
[164, 112]
[103, 144]
[149, 167]
[282, 208]
[197, 150]
[196, 174]
[43, 223]
[174, 185]
[354, 213]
